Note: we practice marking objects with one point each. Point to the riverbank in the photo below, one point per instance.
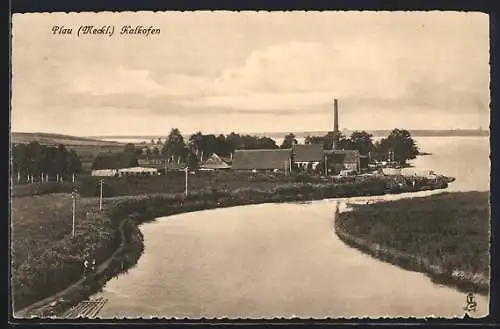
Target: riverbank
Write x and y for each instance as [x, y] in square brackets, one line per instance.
[46, 265]
[445, 236]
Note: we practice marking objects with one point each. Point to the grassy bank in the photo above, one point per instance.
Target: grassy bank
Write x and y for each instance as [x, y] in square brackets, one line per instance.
[46, 259]
[445, 236]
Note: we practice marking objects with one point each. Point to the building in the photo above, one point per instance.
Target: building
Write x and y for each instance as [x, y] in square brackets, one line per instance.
[104, 172]
[338, 160]
[215, 162]
[307, 156]
[263, 160]
[137, 171]
[161, 163]
[152, 162]
[110, 163]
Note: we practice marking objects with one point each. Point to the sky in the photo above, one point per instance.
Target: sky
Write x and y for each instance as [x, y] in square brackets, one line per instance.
[218, 72]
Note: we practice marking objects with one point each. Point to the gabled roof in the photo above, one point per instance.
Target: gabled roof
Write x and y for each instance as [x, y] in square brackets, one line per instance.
[227, 160]
[261, 159]
[307, 152]
[342, 156]
[215, 162]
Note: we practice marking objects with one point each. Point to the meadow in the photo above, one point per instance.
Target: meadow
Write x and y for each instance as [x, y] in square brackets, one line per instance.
[445, 235]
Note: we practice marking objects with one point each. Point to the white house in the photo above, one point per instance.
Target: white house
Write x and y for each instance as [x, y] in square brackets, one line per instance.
[137, 171]
[105, 172]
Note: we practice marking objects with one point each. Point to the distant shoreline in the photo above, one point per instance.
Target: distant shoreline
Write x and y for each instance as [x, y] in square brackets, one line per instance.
[375, 133]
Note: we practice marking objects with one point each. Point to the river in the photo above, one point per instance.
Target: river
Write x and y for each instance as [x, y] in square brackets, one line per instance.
[284, 260]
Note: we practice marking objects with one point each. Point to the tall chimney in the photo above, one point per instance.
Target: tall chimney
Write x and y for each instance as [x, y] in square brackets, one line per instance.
[335, 124]
[335, 115]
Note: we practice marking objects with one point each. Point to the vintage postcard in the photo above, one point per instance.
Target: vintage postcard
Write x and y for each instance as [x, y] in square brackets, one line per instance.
[250, 165]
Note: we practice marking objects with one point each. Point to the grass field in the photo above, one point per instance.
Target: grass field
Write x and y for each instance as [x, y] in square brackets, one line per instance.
[45, 258]
[449, 231]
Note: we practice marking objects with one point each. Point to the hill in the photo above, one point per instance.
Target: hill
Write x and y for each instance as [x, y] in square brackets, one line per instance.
[56, 139]
[86, 148]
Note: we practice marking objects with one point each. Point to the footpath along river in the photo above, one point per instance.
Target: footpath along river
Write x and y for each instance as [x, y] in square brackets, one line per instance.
[270, 260]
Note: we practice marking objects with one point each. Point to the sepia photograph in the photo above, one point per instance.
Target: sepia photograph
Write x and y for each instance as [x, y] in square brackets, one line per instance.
[250, 165]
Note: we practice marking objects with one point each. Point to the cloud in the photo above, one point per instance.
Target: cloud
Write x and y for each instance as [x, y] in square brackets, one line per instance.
[112, 80]
[283, 78]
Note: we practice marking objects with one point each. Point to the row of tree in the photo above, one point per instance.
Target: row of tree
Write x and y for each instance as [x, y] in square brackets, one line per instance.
[35, 162]
[201, 145]
[399, 144]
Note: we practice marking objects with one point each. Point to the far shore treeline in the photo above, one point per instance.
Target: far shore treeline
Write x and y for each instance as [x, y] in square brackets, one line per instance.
[399, 143]
[36, 162]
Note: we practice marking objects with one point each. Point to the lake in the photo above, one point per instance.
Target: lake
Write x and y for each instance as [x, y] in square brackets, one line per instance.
[465, 158]
[284, 260]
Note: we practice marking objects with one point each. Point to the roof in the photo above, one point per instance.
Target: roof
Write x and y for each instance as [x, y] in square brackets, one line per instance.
[342, 156]
[114, 161]
[138, 169]
[307, 152]
[215, 162]
[261, 159]
[227, 160]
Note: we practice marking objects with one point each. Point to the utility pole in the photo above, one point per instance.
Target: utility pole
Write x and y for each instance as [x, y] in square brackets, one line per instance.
[186, 187]
[326, 165]
[101, 181]
[74, 195]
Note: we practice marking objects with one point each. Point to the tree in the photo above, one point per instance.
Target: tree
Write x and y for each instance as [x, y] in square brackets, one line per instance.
[37, 161]
[233, 142]
[73, 163]
[155, 151]
[192, 160]
[314, 140]
[288, 141]
[61, 161]
[196, 142]
[174, 145]
[401, 144]
[328, 141]
[362, 141]
[221, 145]
[33, 158]
[20, 160]
[129, 148]
[265, 143]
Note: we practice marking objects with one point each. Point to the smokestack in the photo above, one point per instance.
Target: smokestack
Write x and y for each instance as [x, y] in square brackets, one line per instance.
[335, 124]
[335, 115]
